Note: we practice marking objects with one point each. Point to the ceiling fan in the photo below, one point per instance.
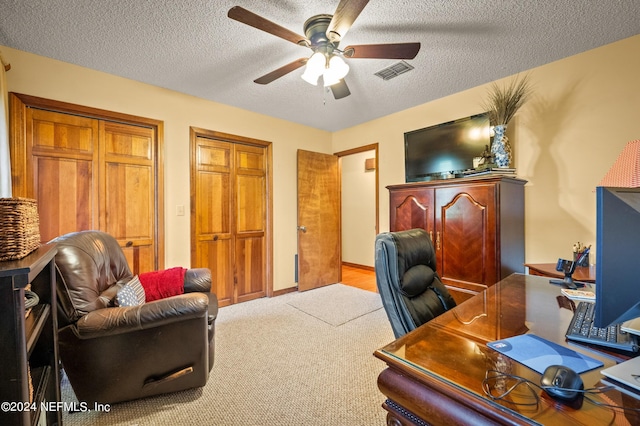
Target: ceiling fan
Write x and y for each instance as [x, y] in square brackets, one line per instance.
[322, 35]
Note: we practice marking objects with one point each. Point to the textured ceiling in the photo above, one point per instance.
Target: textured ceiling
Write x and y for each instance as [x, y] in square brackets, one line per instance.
[191, 46]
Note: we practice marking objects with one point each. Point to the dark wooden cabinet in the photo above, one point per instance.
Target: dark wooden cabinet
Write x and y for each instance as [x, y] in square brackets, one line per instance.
[30, 373]
[476, 226]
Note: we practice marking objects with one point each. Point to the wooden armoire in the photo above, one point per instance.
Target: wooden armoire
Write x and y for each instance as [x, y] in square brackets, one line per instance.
[476, 226]
[91, 169]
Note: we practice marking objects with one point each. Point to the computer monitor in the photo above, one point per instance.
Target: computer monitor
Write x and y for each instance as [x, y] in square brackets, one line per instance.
[617, 255]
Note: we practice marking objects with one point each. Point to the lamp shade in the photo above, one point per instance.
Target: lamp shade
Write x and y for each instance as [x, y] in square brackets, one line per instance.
[336, 71]
[625, 172]
[315, 67]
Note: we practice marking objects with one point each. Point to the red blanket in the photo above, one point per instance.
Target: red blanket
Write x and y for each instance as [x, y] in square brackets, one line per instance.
[162, 284]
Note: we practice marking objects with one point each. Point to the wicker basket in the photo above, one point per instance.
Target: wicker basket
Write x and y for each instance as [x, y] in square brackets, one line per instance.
[19, 228]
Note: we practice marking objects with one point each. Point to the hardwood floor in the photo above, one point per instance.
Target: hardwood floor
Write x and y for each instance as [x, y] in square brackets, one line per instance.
[359, 277]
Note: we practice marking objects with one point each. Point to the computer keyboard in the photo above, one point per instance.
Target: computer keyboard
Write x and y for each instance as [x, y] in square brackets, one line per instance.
[581, 329]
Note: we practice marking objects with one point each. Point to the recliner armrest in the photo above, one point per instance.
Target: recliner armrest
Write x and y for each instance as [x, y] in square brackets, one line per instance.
[118, 320]
[197, 280]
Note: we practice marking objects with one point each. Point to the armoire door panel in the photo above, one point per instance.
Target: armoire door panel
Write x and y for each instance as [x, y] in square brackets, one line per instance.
[465, 237]
[463, 230]
[64, 190]
[53, 131]
[412, 211]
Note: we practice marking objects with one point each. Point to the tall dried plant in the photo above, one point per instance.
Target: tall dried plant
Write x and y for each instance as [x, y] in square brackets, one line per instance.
[503, 102]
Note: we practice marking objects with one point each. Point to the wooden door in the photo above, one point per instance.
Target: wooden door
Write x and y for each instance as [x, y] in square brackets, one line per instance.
[466, 236]
[319, 258]
[212, 215]
[62, 157]
[229, 208]
[127, 182]
[250, 221]
[91, 169]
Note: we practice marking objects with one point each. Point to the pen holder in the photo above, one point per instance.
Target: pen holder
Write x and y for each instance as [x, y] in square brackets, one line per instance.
[584, 262]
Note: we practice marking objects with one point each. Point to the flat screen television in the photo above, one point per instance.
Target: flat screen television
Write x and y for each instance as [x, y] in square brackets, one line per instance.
[617, 255]
[446, 149]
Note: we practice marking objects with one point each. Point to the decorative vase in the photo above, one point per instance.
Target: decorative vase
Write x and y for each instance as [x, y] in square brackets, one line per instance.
[501, 149]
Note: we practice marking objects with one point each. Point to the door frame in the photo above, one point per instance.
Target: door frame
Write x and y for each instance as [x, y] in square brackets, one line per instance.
[194, 133]
[357, 150]
[23, 186]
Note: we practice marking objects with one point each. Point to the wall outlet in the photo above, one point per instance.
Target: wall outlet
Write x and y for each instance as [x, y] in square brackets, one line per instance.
[179, 210]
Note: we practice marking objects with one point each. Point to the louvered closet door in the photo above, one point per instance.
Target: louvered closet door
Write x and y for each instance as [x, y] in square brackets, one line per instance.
[127, 179]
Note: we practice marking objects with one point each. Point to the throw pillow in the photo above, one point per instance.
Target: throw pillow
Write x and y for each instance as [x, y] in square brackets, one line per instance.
[131, 294]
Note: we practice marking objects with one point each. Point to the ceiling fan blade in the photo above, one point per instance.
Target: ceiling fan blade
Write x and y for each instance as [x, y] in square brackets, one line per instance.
[275, 74]
[344, 16]
[340, 90]
[383, 51]
[241, 14]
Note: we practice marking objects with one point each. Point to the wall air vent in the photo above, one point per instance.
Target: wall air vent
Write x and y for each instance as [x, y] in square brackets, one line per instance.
[394, 70]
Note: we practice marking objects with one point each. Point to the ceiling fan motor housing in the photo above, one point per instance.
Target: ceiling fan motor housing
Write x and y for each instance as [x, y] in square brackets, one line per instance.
[315, 29]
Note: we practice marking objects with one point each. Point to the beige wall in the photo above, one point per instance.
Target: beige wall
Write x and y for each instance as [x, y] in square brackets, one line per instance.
[358, 209]
[43, 77]
[585, 109]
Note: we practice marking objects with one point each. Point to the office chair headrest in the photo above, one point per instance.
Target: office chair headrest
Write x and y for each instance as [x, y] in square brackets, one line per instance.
[416, 261]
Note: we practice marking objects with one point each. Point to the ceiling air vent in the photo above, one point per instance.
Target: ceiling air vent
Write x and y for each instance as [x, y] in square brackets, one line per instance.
[394, 70]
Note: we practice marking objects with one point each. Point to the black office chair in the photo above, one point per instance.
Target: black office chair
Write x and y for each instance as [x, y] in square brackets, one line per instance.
[411, 290]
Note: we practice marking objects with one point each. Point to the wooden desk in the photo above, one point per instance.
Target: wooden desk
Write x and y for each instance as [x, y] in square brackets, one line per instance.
[585, 274]
[435, 373]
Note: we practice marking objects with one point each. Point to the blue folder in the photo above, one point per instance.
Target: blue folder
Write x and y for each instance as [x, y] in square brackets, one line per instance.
[538, 354]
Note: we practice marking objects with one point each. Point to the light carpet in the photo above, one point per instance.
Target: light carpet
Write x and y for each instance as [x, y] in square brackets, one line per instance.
[336, 304]
[276, 365]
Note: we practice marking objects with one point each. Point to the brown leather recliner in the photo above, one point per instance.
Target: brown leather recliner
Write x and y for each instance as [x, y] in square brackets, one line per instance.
[113, 353]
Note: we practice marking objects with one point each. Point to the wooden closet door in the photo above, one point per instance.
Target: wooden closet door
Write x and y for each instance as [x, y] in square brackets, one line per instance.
[61, 156]
[250, 224]
[229, 216]
[127, 207]
[87, 169]
[212, 214]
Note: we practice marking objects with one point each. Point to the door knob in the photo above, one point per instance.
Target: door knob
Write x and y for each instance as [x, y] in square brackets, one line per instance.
[129, 243]
[302, 228]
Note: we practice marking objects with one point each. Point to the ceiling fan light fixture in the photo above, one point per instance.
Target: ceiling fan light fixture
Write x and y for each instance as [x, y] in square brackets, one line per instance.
[316, 65]
[338, 66]
[336, 71]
